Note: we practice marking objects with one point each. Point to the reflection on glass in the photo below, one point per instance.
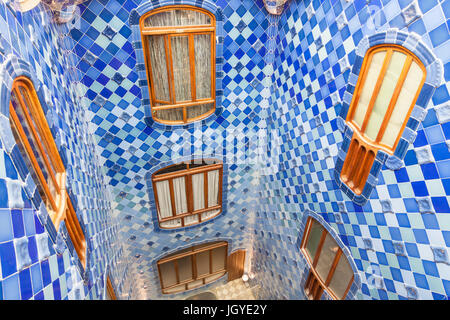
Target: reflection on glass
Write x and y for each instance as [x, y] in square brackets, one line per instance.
[313, 239]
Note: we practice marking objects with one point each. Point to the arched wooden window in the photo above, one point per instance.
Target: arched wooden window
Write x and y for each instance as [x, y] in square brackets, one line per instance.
[330, 269]
[41, 156]
[179, 49]
[188, 193]
[193, 267]
[387, 89]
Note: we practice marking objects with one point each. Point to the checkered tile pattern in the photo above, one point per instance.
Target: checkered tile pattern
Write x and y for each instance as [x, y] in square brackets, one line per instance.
[131, 147]
[399, 239]
[36, 261]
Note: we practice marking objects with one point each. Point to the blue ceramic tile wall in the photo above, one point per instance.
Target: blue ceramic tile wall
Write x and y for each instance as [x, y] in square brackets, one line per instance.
[130, 150]
[399, 239]
[36, 262]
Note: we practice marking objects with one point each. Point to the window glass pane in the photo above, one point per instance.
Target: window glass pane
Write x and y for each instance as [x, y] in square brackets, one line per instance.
[185, 268]
[177, 17]
[197, 111]
[209, 214]
[202, 45]
[27, 99]
[213, 188]
[179, 189]
[36, 152]
[404, 103]
[313, 239]
[373, 72]
[203, 263]
[181, 68]
[164, 202]
[168, 276]
[191, 220]
[326, 257]
[174, 114]
[195, 284]
[341, 277]
[157, 55]
[218, 259]
[171, 224]
[198, 191]
[385, 95]
[179, 288]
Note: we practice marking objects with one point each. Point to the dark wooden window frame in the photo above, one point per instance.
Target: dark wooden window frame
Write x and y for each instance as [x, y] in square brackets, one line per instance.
[187, 174]
[362, 150]
[175, 31]
[315, 285]
[195, 250]
[59, 207]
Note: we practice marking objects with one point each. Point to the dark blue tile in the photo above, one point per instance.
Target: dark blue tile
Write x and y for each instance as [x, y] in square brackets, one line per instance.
[8, 258]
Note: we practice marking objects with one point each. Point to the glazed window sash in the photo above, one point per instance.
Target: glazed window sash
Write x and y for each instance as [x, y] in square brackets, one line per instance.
[193, 267]
[188, 196]
[179, 92]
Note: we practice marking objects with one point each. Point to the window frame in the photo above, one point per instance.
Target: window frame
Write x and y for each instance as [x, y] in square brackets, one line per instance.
[315, 285]
[187, 174]
[193, 251]
[110, 289]
[173, 31]
[360, 84]
[364, 159]
[61, 208]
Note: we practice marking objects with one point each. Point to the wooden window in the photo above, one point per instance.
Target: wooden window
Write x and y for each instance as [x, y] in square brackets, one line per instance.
[188, 193]
[193, 267]
[330, 270]
[179, 49]
[385, 94]
[110, 293]
[41, 156]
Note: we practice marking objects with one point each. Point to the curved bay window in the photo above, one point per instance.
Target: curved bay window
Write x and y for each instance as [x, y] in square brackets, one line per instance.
[330, 269]
[193, 267]
[41, 156]
[188, 193]
[385, 94]
[179, 50]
